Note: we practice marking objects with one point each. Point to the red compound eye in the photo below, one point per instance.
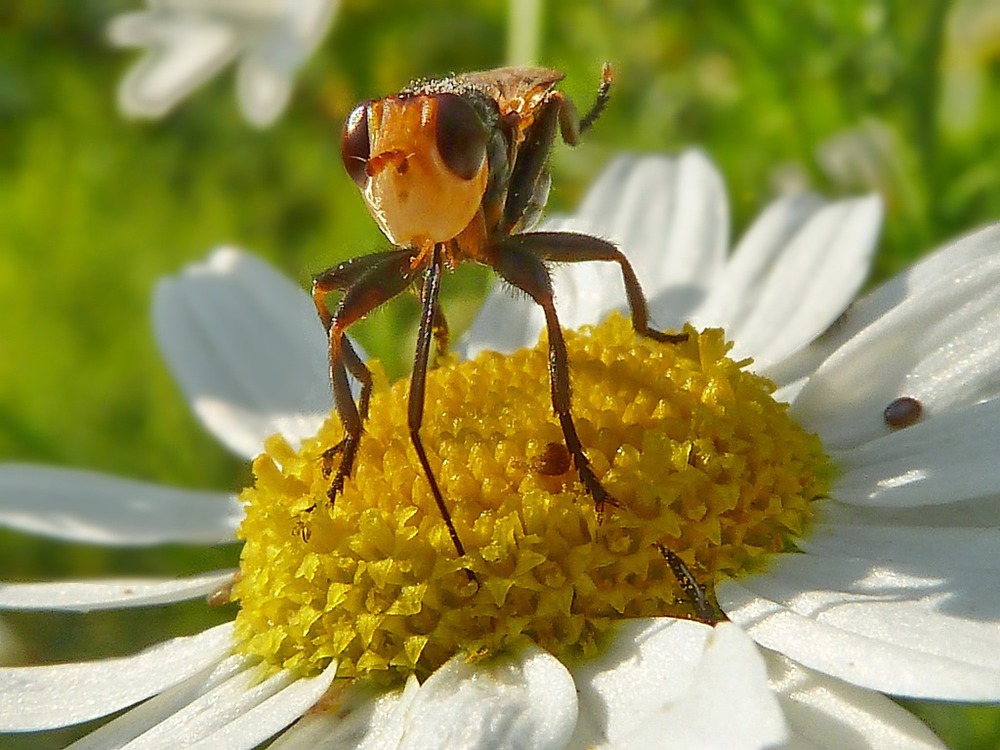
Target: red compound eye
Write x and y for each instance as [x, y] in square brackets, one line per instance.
[461, 136]
[355, 148]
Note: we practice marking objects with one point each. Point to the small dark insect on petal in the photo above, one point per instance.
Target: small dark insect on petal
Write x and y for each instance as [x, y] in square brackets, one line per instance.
[902, 412]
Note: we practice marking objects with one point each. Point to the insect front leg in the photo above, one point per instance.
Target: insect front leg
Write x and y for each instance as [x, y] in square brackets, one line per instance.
[418, 381]
[337, 279]
[367, 283]
[526, 271]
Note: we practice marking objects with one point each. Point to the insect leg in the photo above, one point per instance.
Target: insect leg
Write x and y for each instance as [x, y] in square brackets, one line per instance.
[689, 585]
[570, 247]
[418, 380]
[343, 275]
[603, 95]
[373, 284]
[337, 279]
[571, 125]
[523, 269]
[441, 332]
[527, 189]
[528, 186]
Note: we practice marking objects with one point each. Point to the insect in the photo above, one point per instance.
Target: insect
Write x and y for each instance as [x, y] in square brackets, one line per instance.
[455, 170]
[902, 412]
[689, 585]
[554, 461]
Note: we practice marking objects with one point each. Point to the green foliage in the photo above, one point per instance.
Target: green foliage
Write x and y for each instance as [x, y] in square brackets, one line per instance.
[839, 97]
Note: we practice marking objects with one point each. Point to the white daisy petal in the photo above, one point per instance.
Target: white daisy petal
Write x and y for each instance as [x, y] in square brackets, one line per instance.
[309, 20]
[189, 42]
[823, 712]
[734, 294]
[961, 548]
[940, 268]
[361, 721]
[85, 506]
[811, 282]
[648, 665]
[663, 678]
[730, 673]
[264, 78]
[251, 727]
[139, 719]
[980, 513]
[36, 698]
[214, 709]
[263, 91]
[894, 627]
[527, 701]
[948, 457]
[522, 321]
[584, 293]
[185, 52]
[937, 341]
[677, 249]
[87, 596]
[671, 218]
[247, 349]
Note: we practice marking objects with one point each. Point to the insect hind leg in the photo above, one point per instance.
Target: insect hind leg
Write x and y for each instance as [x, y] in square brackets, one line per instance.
[571, 125]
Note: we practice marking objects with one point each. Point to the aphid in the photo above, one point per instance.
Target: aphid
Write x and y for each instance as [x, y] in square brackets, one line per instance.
[902, 412]
[452, 170]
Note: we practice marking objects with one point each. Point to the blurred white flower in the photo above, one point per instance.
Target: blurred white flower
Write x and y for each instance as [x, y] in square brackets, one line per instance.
[189, 41]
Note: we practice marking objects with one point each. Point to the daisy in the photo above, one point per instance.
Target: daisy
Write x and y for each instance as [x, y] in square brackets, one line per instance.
[190, 41]
[862, 564]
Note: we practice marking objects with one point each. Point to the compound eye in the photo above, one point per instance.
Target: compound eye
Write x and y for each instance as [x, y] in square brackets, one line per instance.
[461, 136]
[354, 145]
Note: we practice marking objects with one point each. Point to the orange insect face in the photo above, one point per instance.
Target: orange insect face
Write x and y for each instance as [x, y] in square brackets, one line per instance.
[420, 163]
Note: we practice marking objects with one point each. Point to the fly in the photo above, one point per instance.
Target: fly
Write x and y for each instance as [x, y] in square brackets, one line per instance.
[453, 170]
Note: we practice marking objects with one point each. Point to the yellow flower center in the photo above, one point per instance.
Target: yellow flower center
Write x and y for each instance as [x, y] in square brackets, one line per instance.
[699, 457]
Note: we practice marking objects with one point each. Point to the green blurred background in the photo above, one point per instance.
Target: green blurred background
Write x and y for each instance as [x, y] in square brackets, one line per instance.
[841, 97]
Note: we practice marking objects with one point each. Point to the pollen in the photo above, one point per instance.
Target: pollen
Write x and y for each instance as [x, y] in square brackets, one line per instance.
[699, 457]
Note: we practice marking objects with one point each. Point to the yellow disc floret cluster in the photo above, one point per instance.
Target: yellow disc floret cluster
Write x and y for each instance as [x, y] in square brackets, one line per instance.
[699, 458]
